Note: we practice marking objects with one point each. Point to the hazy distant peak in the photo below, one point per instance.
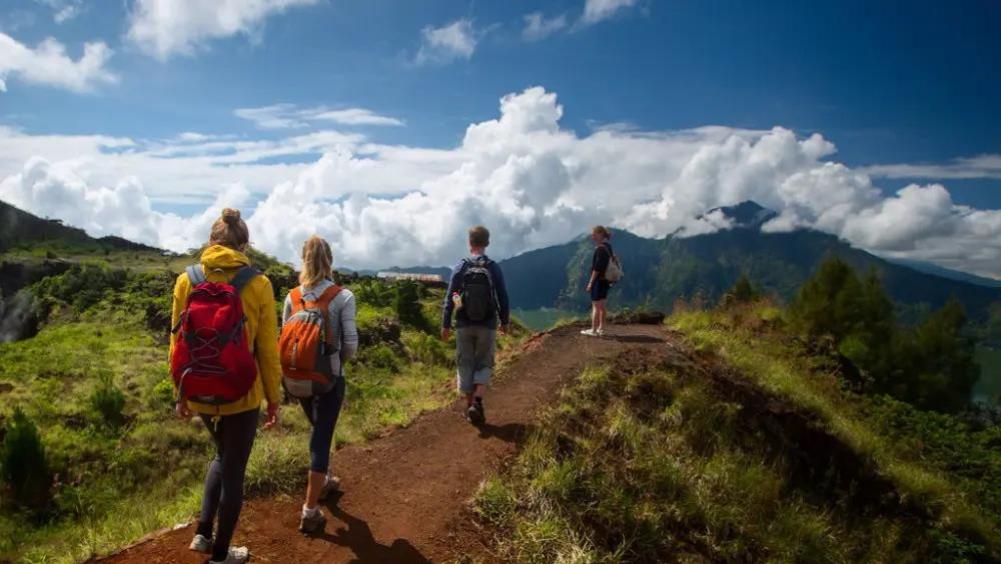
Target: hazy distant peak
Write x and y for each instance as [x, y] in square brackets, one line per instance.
[745, 215]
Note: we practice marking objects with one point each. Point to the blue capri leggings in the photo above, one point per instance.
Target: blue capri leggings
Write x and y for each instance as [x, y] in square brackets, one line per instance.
[322, 412]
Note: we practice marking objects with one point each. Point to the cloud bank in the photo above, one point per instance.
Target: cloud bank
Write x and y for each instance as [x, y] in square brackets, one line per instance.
[533, 182]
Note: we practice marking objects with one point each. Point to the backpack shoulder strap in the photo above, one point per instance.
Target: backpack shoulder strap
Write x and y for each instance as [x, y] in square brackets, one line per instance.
[196, 274]
[243, 277]
[295, 296]
[328, 296]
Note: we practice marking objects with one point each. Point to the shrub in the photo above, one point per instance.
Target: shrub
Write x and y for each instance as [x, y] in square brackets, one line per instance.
[373, 293]
[161, 396]
[407, 304]
[743, 292]
[379, 356]
[108, 401]
[22, 462]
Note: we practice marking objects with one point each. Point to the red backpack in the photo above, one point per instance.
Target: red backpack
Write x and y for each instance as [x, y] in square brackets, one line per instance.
[212, 362]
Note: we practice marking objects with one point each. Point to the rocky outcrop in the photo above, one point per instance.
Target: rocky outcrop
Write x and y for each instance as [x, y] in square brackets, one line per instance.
[19, 314]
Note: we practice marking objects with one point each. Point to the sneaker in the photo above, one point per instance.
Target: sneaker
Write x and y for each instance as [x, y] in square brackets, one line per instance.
[330, 485]
[589, 332]
[312, 523]
[476, 414]
[201, 543]
[237, 555]
[600, 332]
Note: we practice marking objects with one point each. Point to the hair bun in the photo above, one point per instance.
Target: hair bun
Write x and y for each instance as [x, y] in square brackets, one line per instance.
[231, 216]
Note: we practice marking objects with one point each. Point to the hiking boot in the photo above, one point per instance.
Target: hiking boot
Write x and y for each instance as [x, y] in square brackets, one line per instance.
[476, 414]
[201, 543]
[237, 555]
[330, 485]
[589, 332]
[312, 521]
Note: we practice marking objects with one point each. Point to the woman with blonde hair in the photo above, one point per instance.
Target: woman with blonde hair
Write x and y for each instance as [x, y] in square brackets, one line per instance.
[204, 372]
[341, 335]
[597, 285]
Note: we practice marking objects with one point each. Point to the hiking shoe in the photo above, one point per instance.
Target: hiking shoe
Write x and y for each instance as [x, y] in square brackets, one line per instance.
[330, 485]
[201, 543]
[589, 332]
[312, 522]
[476, 414]
[237, 555]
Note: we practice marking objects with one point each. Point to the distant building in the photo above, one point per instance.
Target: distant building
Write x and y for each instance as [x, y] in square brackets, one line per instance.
[429, 278]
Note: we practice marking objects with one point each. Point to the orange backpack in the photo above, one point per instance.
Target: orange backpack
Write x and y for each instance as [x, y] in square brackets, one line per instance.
[304, 346]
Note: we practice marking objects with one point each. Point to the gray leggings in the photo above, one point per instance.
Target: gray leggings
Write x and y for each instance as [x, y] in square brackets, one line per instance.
[233, 437]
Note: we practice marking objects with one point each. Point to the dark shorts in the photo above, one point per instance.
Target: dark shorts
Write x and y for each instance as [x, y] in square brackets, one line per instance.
[599, 290]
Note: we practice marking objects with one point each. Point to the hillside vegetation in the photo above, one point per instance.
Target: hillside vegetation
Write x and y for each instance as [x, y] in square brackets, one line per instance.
[86, 406]
[757, 441]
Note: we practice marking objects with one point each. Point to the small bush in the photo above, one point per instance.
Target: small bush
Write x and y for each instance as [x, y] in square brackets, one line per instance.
[379, 356]
[22, 462]
[108, 401]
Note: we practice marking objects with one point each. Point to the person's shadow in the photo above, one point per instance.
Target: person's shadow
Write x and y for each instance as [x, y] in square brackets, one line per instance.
[635, 339]
[357, 537]
[510, 433]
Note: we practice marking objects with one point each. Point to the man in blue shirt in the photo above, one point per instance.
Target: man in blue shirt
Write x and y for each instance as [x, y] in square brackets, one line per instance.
[477, 294]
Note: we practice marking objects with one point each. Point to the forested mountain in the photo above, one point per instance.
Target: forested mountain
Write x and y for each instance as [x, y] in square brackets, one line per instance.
[659, 271]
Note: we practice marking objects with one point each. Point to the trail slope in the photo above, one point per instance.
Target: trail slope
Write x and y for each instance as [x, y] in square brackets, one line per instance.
[404, 495]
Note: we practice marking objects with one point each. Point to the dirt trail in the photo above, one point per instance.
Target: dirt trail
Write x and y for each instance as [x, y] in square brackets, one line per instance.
[404, 495]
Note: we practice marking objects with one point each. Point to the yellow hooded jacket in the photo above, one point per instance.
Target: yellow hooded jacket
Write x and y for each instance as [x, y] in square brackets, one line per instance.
[221, 264]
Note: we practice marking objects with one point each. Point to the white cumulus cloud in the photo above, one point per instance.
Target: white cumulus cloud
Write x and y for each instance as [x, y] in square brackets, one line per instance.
[440, 45]
[164, 28]
[533, 182]
[49, 64]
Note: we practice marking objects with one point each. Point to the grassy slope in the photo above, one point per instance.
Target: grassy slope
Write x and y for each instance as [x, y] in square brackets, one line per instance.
[643, 463]
[153, 460]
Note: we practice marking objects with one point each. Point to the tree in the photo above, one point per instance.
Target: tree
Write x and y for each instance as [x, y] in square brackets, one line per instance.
[829, 302]
[943, 367]
[408, 306]
[742, 292]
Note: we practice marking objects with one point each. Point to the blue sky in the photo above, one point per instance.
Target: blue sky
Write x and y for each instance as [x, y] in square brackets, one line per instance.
[906, 91]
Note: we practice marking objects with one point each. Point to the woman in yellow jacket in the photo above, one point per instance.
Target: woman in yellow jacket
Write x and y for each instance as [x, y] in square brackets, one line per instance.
[232, 425]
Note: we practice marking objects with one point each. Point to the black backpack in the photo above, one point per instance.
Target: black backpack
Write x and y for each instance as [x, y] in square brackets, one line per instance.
[478, 300]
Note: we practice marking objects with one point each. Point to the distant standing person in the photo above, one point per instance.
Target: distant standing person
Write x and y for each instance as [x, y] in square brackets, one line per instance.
[597, 284]
[319, 316]
[224, 360]
[477, 294]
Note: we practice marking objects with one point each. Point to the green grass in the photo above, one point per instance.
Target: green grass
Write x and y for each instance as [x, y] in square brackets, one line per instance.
[650, 466]
[909, 447]
[649, 461]
[105, 468]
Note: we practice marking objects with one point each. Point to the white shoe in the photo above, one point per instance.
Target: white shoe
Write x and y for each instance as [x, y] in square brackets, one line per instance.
[201, 543]
[589, 332]
[330, 485]
[237, 555]
[600, 332]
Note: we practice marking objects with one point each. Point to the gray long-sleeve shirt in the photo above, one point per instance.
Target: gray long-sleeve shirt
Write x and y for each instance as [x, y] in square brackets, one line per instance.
[341, 328]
